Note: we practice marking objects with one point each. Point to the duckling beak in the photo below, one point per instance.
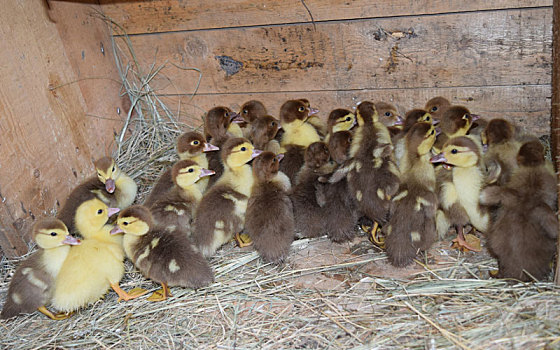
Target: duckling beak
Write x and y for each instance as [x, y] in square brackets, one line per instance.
[484, 147]
[475, 117]
[208, 147]
[280, 156]
[398, 122]
[116, 230]
[439, 158]
[110, 185]
[236, 118]
[112, 211]
[256, 153]
[279, 126]
[312, 111]
[205, 172]
[435, 121]
[438, 131]
[71, 240]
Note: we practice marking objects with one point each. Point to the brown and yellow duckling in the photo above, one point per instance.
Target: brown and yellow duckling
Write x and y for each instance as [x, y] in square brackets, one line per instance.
[523, 232]
[168, 259]
[412, 226]
[31, 287]
[411, 118]
[455, 121]
[221, 212]
[269, 220]
[339, 119]
[389, 116]
[263, 133]
[437, 106]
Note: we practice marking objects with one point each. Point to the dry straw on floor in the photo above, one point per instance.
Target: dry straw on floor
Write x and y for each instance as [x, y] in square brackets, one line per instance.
[325, 295]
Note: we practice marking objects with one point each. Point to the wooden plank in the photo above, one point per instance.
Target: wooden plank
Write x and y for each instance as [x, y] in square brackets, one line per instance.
[149, 16]
[499, 48]
[555, 109]
[528, 106]
[48, 138]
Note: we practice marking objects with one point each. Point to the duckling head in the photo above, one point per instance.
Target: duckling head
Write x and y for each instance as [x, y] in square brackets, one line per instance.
[340, 119]
[238, 151]
[107, 172]
[252, 110]
[388, 115]
[186, 173]
[296, 112]
[316, 155]
[436, 106]
[92, 215]
[456, 121]
[497, 131]
[421, 137]
[51, 233]
[460, 151]
[366, 113]
[135, 220]
[531, 154]
[266, 166]
[192, 143]
[417, 116]
[264, 130]
[339, 146]
[218, 121]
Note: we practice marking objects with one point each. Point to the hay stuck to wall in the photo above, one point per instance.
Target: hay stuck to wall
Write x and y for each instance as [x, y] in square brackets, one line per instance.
[326, 295]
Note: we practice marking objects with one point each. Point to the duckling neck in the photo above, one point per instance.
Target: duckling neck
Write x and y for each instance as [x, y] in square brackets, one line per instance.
[201, 160]
[468, 182]
[104, 235]
[239, 178]
[299, 134]
[129, 242]
[125, 190]
[418, 169]
[52, 259]
[191, 192]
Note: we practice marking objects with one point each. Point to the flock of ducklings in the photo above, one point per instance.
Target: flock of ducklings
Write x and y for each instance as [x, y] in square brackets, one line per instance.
[407, 180]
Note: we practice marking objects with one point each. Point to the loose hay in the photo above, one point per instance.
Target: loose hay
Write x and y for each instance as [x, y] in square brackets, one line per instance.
[325, 296]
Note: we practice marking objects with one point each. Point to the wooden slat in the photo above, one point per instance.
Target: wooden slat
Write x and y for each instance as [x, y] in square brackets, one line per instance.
[473, 49]
[48, 136]
[555, 123]
[150, 16]
[528, 106]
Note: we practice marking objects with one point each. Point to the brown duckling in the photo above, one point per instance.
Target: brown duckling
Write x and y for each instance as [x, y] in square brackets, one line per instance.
[189, 145]
[263, 133]
[412, 226]
[459, 186]
[168, 259]
[411, 118]
[523, 233]
[251, 110]
[455, 121]
[389, 116]
[269, 220]
[298, 134]
[111, 185]
[339, 119]
[31, 286]
[437, 106]
[221, 212]
[176, 208]
[501, 150]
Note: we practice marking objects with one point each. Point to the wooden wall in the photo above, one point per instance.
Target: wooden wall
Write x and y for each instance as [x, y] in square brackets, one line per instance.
[59, 94]
[492, 56]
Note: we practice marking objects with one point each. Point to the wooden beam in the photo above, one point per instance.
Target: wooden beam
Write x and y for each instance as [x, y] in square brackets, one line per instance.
[555, 123]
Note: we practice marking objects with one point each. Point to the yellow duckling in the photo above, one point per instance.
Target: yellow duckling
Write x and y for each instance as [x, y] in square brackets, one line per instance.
[95, 265]
[339, 119]
[169, 259]
[31, 287]
[221, 212]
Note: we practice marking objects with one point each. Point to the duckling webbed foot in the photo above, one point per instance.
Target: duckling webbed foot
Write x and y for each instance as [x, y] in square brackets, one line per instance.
[57, 317]
[376, 236]
[472, 243]
[161, 294]
[243, 240]
[132, 294]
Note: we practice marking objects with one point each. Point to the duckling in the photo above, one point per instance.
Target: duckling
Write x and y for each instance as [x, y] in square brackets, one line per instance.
[111, 185]
[309, 216]
[412, 225]
[32, 285]
[168, 259]
[314, 120]
[93, 266]
[455, 121]
[502, 147]
[411, 118]
[298, 134]
[459, 188]
[269, 220]
[524, 231]
[437, 106]
[189, 145]
[250, 111]
[263, 133]
[389, 116]
[176, 208]
[339, 119]
[221, 212]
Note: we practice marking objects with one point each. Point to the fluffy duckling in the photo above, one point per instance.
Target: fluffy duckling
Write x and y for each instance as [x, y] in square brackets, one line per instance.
[177, 207]
[412, 226]
[523, 233]
[339, 119]
[269, 220]
[309, 216]
[437, 106]
[221, 212]
[298, 134]
[168, 259]
[459, 188]
[31, 287]
[455, 121]
[501, 150]
[314, 120]
[93, 266]
[251, 110]
[412, 117]
[111, 185]
[190, 145]
[389, 116]
[263, 133]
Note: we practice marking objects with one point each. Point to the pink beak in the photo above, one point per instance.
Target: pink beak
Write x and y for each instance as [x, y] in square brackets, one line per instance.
[71, 240]
[208, 147]
[312, 111]
[475, 117]
[400, 121]
[112, 211]
[438, 158]
[206, 172]
[280, 156]
[256, 153]
[438, 131]
[116, 230]
[110, 185]
[236, 118]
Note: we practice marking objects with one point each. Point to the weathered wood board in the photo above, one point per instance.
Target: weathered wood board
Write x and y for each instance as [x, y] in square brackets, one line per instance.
[55, 119]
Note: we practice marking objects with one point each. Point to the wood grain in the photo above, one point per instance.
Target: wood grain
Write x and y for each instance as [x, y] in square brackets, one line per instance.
[149, 16]
[500, 48]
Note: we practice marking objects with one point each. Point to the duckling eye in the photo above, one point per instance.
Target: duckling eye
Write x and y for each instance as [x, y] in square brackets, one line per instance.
[125, 223]
[245, 111]
[432, 132]
[434, 108]
[243, 149]
[301, 109]
[191, 170]
[195, 142]
[100, 211]
[53, 233]
[348, 119]
[454, 151]
[466, 116]
[113, 168]
[272, 123]
[387, 114]
[428, 118]
[99, 174]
